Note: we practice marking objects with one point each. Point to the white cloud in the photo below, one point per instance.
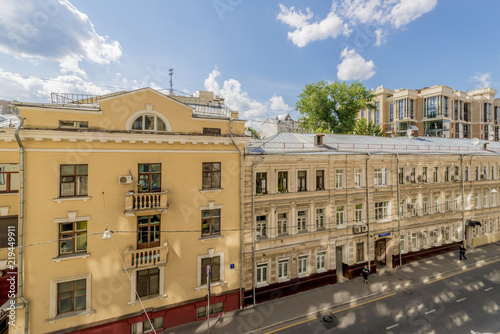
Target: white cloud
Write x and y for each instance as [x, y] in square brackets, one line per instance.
[53, 30]
[482, 80]
[354, 67]
[238, 100]
[379, 16]
[305, 31]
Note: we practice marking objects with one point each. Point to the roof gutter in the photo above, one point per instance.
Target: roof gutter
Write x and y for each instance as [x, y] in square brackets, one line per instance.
[20, 245]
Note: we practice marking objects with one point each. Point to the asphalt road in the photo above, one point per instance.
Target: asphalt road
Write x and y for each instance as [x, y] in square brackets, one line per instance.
[467, 302]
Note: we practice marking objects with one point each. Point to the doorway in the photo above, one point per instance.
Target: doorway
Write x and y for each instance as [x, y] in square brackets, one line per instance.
[339, 250]
[381, 252]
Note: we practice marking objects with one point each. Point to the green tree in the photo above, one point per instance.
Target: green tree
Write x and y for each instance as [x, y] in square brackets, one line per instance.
[363, 127]
[332, 107]
[254, 132]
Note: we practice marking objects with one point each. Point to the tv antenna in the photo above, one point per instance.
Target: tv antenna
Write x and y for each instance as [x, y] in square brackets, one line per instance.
[171, 73]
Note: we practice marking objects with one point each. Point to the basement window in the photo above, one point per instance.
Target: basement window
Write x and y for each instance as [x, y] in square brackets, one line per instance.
[73, 124]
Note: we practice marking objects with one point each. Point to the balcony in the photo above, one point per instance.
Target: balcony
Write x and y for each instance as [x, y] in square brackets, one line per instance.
[146, 257]
[144, 203]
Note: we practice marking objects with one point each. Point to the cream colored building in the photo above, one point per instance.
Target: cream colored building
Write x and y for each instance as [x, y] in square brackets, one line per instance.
[437, 111]
[127, 198]
[323, 206]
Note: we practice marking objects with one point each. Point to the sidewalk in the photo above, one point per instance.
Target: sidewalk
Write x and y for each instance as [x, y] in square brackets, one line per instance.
[295, 307]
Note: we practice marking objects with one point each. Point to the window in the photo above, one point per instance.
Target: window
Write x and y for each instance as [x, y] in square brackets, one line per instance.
[381, 178]
[476, 173]
[360, 252]
[414, 244]
[261, 226]
[211, 175]
[261, 273]
[402, 242]
[425, 239]
[413, 177]
[437, 237]
[282, 223]
[485, 199]
[321, 261]
[302, 264]
[447, 174]
[494, 197]
[282, 182]
[302, 221]
[493, 172]
[72, 296]
[358, 213]
[320, 180]
[141, 327]
[282, 268]
[72, 237]
[436, 204]
[401, 176]
[425, 206]
[73, 180]
[149, 178]
[457, 174]
[484, 176]
[149, 123]
[358, 178]
[413, 207]
[446, 234]
[339, 178]
[261, 183]
[466, 173]
[339, 213]
[73, 124]
[148, 228]
[301, 180]
[424, 174]
[215, 269]
[210, 222]
[211, 131]
[148, 282]
[458, 200]
[477, 202]
[381, 210]
[320, 218]
[402, 207]
[447, 203]
[216, 308]
[435, 174]
[9, 178]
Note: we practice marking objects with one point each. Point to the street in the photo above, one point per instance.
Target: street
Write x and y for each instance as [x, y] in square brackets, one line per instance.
[465, 302]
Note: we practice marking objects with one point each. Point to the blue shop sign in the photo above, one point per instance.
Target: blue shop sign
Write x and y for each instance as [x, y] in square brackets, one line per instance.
[384, 235]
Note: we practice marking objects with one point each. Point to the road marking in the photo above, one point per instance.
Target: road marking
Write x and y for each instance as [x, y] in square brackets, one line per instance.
[461, 300]
[347, 308]
[391, 327]
[461, 272]
[488, 289]
[428, 312]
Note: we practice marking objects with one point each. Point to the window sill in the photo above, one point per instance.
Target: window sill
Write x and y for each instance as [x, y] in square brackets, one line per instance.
[322, 228]
[211, 190]
[303, 275]
[262, 238]
[283, 279]
[71, 256]
[302, 231]
[148, 298]
[322, 270]
[211, 237]
[282, 235]
[341, 227]
[69, 315]
[262, 284]
[221, 283]
[73, 198]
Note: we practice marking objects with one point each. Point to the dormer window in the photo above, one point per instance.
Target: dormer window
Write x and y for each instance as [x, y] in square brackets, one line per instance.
[148, 123]
[318, 140]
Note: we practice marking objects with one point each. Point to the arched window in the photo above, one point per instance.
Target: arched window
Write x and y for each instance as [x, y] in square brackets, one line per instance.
[148, 123]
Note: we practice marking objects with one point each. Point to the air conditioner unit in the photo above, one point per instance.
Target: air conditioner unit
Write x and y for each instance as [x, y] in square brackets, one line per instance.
[127, 179]
[364, 228]
[356, 229]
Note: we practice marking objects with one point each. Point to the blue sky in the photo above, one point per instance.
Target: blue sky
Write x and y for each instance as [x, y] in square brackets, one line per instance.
[257, 54]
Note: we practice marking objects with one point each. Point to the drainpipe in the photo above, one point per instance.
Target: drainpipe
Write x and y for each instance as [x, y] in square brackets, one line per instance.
[399, 211]
[254, 190]
[463, 198]
[241, 209]
[21, 218]
[368, 210]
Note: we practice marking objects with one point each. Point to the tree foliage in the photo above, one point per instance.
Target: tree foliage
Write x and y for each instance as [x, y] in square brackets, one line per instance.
[332, 107]
[367, 128]
[254, 132]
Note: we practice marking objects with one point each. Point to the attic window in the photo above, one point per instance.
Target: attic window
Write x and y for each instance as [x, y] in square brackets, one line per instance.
[148, 123]
[318, 140]
[211, 131]
[73, 124]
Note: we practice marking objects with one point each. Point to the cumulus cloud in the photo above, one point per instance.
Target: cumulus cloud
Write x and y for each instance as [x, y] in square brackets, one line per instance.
[237, 99]
[481, 80]
[305, 31]
[382, 16]
[53, 30]
[354, 67]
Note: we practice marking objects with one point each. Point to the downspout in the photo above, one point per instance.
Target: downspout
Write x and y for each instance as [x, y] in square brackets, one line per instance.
[241, 209]
[254, 190]
[21, 218]
[399, 211]
[463, 198]
[368, 209]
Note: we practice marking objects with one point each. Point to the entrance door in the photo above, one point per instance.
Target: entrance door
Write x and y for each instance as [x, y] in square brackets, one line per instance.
[338, 258]
[380, 252]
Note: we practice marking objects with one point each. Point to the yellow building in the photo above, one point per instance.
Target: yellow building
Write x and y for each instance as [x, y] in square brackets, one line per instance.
[127, 198]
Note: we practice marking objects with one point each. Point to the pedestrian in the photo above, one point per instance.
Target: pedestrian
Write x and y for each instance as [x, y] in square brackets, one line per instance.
[366, 272]
[462, 251]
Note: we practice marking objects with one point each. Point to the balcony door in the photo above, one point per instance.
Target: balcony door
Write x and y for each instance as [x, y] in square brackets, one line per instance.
[148, 228]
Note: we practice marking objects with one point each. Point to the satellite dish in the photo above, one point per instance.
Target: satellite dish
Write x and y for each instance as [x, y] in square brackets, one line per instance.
[408, 132]
[474, 141]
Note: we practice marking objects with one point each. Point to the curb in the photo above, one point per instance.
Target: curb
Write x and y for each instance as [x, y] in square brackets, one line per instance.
[440, 275]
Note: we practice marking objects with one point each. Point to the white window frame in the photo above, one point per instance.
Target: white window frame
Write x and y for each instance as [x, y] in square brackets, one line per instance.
[53, 316]
[320, 218]
[380, 177]
[339, 178]
[340, 215]
[414, 241]
[402, 242]
[282, 222]
[302, 221]
[447, 203]
[258, 226]
[302, 265]
[321, 261]
[425, 205]
[359, 213]
[358, 178]
[384, 208]
[283, 265]
[436, 204]
[259, 270]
